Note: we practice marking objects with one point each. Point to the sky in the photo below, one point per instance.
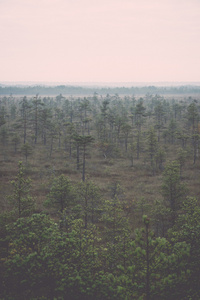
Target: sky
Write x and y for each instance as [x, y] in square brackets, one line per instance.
[72, 41]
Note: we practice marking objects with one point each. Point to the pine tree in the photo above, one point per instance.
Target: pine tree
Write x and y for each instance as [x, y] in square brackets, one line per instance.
[61, 193]
[172, 189]
[23, 202]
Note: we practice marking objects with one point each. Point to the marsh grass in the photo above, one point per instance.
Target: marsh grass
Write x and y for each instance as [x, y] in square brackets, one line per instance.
[137, 181]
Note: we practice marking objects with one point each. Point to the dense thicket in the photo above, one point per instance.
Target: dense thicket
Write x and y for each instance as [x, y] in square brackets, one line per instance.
[99, 197]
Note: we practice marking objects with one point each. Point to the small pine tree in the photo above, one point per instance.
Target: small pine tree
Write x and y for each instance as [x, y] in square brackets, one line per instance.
[173, 190]
[61, 194]
[23, 202]
[26, 150]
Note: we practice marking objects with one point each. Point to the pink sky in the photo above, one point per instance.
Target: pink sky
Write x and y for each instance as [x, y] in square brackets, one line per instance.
[100, 41]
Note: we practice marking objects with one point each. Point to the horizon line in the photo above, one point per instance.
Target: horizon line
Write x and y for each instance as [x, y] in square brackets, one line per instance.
[101, 83]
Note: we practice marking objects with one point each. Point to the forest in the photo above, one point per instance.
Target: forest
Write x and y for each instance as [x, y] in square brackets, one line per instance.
[99, 196]
[54, 90]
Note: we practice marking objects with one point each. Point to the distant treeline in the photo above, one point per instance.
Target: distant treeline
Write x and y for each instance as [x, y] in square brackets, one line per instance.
[79, 90]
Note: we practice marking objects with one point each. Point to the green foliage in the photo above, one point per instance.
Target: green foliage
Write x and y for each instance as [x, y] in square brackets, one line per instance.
[3, 135]
[83, 141]
[90, 200]
[186, 229]
[160, 158]
[95, 250]
[44, 261]
[193, 115]
[2, 116]
[152, 146]
[20, 198]
[171, 132]
[161, 218]
[26, 150]
[195, 143]
[172, 188]
[142, 206]
[182, 156]
[25, 272]
[16, 141]
[139, 113]
[61, 193]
